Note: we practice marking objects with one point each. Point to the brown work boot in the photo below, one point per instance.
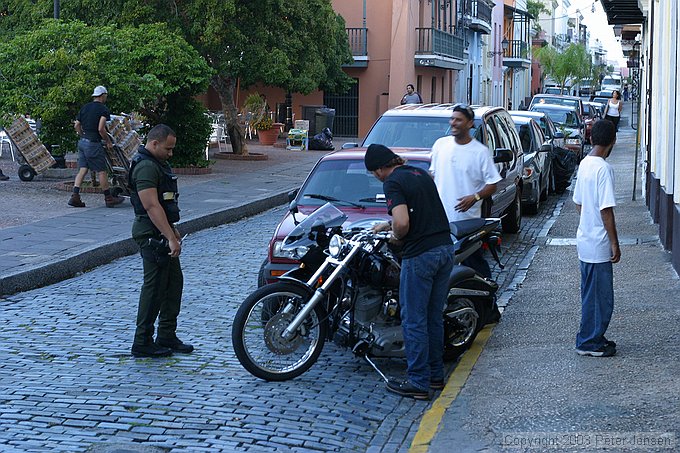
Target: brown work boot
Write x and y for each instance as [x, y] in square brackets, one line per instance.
[75, 201]
[112, 201]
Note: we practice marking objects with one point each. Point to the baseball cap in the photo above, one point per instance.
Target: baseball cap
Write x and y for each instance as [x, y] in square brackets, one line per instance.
[99, 90]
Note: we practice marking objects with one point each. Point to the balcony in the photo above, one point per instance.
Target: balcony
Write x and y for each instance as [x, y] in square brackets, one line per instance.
[358, 44]
[478, 15]
[517, 55]
[439, 49]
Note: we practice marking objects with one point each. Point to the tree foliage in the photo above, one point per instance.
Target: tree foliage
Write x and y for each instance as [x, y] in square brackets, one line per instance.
[574, 63]
[297, 45]
[55, 65]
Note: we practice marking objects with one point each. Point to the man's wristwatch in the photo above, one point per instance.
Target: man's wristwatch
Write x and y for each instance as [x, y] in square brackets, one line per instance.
[477, 197]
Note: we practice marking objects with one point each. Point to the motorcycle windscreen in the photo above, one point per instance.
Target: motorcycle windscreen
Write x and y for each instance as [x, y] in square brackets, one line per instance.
[327, 216]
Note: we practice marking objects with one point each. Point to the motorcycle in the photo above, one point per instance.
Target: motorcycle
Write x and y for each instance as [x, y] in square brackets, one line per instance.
[346, 289]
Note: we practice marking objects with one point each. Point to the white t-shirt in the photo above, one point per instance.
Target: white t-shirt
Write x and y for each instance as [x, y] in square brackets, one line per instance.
[461, 170]
[594, 191]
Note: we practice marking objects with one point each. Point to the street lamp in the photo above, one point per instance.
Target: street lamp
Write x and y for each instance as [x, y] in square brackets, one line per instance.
[504, 44]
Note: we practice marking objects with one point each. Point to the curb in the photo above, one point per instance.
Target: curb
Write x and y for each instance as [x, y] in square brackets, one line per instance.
[71, 266]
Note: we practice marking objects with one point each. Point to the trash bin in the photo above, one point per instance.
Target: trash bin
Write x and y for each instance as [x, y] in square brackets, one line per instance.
[309, 113]
[324, 118]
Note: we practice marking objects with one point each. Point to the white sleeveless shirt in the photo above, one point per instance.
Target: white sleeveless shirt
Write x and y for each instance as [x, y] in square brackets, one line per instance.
[613, 108]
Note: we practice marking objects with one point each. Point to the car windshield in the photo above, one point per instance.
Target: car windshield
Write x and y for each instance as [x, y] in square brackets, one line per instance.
[345, 180]
[561, 117]
[558, 101]
[408, 131]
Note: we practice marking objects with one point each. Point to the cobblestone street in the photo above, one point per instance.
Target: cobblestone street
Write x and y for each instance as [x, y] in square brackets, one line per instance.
[69, 382]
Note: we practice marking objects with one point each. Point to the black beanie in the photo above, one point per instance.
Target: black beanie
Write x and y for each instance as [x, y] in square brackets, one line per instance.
[377, 156]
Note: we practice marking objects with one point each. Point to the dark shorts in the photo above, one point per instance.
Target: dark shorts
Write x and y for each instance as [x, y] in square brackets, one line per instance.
[91, 155]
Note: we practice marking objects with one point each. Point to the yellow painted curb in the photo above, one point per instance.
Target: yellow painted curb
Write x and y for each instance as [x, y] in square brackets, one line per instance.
[433, 417]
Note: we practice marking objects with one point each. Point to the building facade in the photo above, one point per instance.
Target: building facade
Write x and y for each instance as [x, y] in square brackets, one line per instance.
[653, 50]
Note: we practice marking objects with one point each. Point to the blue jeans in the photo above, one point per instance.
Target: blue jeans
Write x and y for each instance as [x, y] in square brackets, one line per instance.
[423, 290]
[597, 304]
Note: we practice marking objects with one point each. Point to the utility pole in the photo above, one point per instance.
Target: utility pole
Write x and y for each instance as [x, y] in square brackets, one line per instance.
[56, 9]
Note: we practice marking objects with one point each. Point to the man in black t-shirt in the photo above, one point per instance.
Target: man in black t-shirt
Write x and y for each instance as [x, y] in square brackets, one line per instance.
[419, 221]
[91, 127]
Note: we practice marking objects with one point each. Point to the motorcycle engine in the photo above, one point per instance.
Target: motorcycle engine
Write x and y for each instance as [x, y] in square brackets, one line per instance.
[368, 305]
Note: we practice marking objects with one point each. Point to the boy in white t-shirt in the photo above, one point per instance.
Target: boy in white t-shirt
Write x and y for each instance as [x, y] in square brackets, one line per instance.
[597, 242]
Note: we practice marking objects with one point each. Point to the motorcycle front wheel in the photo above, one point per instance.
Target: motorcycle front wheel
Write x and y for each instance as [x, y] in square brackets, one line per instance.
[258, 327]
[463, 319]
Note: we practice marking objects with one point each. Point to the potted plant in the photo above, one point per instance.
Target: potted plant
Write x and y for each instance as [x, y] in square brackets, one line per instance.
[267, 130]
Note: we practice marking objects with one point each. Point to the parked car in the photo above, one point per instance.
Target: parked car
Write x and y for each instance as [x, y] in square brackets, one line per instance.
[604, 93]
[598, 107]
[571, 101]
[416, 126]
[552, 90]
[602, 101]
[410, 130]
[611, 83]
[591, 115]
[537, 176]
[570, 122]
[554, 136]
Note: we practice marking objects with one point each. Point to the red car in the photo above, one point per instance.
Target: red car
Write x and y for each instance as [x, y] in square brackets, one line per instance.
[342, 176]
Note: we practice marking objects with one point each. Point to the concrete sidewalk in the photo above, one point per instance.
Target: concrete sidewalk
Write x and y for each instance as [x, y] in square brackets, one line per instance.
[51, 250]
[528, 389]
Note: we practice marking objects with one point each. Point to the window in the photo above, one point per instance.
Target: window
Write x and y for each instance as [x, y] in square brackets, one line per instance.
[408, 131]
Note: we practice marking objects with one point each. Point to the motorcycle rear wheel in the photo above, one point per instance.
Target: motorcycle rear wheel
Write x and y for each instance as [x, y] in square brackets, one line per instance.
[461, 330]
[259, 323]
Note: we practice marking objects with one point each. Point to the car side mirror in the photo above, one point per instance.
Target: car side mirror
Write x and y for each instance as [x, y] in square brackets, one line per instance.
[350, 145]
[545, 148]
[503, 155]
[559, 135]
[292, 194]
[292, 206]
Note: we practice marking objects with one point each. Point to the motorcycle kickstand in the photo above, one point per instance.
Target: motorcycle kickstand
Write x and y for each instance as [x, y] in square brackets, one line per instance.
[375, 367]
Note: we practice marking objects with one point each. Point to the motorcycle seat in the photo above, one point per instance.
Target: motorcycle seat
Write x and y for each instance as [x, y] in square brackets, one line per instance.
[460, 273]
[462, 228]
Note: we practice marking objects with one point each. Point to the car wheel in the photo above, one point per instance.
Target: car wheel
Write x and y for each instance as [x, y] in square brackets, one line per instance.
[512, 221]
[261, 281]
[544, 192]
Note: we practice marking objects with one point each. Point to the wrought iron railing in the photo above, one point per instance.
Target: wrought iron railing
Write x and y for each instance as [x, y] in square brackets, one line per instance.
[438, 42]
[517, 49]
[479, 9]
[358, 40]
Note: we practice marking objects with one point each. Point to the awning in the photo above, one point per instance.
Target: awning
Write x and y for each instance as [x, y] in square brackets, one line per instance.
[621, 12]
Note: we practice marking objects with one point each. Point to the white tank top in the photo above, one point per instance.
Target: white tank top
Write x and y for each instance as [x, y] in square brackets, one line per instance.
[613, 108]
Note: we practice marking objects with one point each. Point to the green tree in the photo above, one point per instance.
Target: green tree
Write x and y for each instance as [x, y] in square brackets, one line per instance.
[573, 63]
[535, 8]
[297, 45]
[147, 69]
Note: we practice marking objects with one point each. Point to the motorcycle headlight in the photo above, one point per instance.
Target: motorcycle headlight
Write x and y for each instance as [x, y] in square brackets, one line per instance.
[573, 141]
[336, 245]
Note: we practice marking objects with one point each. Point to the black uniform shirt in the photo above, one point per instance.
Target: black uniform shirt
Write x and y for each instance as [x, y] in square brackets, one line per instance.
[428, 225]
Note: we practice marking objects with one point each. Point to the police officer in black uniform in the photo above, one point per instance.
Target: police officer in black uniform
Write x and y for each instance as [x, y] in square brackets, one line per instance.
[154, 197]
